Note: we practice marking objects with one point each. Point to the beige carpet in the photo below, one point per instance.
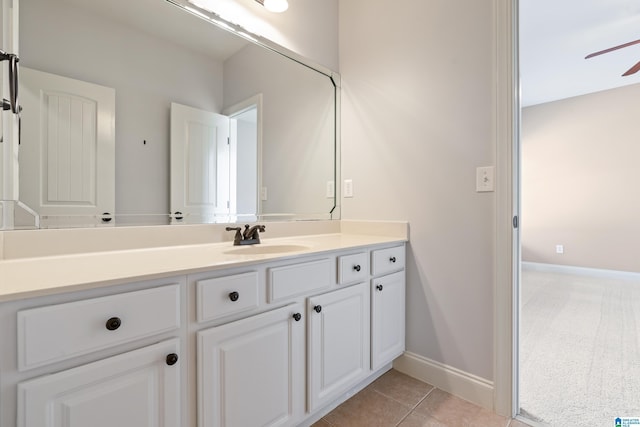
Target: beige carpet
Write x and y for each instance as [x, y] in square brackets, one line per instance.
[579, 348]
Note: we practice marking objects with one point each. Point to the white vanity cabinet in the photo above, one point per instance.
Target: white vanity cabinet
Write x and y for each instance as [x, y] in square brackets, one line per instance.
[251, 372]
[338, 342]
[106, 357]
[387, 305]
[387, 318]
[274, 342]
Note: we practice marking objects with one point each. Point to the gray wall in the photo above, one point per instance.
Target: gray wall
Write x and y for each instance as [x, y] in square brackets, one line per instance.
[147, 74]
[297, 130]
[580, 173]
[417, 119]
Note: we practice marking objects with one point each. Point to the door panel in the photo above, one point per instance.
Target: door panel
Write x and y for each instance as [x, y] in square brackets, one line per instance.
[251, 371]
[135, 389]
[68, 160]
[199, 163]
[387, 319]
[339, 342]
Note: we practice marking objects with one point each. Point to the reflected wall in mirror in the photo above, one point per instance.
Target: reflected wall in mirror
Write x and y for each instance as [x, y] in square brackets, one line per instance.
[141, 51]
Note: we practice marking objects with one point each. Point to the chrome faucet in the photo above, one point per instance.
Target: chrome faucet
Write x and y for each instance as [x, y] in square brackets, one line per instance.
[250, 236]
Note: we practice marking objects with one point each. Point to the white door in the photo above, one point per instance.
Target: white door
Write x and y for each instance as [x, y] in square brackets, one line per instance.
[339, 342]
[387, 318]
[67, 151]
[136, 389]
[199, 164]
[251, 372]
[8, 120]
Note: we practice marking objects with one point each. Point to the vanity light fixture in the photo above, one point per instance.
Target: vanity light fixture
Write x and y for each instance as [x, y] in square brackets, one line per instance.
[276, 6]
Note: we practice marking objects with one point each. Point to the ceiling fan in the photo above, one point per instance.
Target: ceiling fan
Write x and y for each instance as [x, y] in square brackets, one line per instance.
[631, 70]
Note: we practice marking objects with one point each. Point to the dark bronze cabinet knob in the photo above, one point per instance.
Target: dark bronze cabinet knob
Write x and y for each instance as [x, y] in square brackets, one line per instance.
[392, 259]
[297, 317]
[113, 323]
[233, 296]
[317, 308]
[356, 267]
[379, 287]
[172, 359]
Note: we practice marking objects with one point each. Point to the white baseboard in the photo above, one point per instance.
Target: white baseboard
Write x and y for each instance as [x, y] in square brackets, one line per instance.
[447, 378]
[583, 271]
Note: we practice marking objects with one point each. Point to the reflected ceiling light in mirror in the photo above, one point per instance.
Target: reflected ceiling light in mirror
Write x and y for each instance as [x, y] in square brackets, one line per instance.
[276, 6]
[226, 9]
[237, 14]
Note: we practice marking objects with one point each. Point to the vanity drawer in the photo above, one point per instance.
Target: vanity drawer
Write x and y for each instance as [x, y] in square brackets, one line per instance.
[58, 332]
[387, 260]
[226, 295]
[353, 268]
[298, 279]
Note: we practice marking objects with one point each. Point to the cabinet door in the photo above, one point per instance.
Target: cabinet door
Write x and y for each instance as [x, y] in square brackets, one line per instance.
[387, 318]
[338, 342]
[136, 389]
[251, 372]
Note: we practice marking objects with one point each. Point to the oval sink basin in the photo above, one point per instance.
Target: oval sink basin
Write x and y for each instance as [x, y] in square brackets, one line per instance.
[265, 249]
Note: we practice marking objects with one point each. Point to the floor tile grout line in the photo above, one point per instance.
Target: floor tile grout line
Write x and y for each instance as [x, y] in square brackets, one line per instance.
[415, 406]
[403, 403]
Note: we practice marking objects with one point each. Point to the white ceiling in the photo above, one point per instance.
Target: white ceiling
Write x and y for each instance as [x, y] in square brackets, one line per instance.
[556, 35]
[166, 21]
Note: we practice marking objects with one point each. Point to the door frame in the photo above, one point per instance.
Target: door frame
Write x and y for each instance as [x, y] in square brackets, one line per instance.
[507, 260]
[252, 102]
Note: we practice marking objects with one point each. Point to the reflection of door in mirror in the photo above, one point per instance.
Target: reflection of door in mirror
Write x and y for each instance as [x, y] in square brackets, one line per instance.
[8, 121]
[68, 151]
[200, 186]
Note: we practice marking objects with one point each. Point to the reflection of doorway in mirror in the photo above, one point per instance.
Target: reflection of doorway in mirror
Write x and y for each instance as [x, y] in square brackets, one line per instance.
[245, 165]
[67, 155]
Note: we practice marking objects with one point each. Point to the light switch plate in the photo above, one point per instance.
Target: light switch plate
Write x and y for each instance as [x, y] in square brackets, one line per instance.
[263, 193]
[348, 188]
[331, 189]
[485, 178]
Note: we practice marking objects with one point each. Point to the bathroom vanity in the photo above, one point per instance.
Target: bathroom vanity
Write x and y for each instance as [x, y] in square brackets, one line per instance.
[199, 334]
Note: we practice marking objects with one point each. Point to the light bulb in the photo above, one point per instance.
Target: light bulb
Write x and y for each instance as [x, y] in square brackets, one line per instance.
[276, 5]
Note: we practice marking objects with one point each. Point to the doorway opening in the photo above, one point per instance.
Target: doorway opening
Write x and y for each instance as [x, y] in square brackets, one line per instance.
[579, 286]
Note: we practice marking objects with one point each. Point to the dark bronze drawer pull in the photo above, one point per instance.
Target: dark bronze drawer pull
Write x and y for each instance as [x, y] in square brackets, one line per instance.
[113, 323]
[172, 359]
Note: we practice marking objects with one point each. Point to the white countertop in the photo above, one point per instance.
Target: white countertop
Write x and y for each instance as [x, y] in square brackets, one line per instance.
[30, 277]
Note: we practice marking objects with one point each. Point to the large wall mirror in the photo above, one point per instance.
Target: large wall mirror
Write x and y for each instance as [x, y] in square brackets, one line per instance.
[141, 112]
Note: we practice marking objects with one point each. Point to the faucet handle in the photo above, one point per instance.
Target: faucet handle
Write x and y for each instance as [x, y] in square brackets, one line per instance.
[251, 233]
[238, 237]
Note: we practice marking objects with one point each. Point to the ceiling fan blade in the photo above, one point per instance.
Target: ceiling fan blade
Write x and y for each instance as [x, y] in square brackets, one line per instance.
[611, 49]
[632, 70]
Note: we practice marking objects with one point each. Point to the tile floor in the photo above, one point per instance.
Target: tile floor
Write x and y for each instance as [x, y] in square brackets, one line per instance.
[396, 399]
